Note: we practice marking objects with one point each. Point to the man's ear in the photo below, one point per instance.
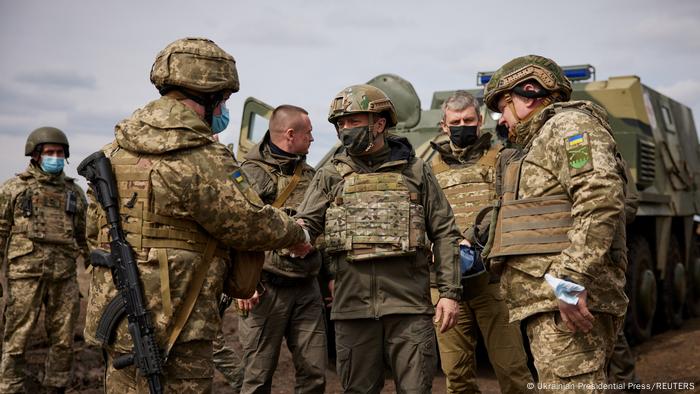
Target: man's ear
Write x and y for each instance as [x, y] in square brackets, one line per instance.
[380, 125]
[444, 128]
[289, 134]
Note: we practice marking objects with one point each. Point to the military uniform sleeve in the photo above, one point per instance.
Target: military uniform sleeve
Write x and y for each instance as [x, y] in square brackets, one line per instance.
[6, 219]
[211, 188]
[80, 222]
[444, 234]
[587, 168]
[260, 181]
[317, 199]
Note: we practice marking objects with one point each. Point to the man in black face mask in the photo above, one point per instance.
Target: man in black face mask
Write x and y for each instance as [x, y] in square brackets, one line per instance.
[379, 209]
[465, 170]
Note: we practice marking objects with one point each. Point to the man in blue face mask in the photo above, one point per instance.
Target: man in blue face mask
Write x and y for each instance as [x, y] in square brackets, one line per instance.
[42, 231]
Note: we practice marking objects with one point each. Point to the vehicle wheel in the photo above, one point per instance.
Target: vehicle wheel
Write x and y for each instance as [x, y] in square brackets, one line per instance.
[673, 287]
[641, 290]
[693, 300]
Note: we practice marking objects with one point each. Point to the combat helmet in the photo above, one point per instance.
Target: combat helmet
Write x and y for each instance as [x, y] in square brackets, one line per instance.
[531, 67]
[197, 64]
[46, 135]
[362, 99]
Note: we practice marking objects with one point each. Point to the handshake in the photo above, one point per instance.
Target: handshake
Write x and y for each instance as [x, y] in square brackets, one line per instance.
[300, 250]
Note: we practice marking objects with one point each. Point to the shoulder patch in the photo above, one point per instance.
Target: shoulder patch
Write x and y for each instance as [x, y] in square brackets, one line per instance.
[244, 187]
[578, 152]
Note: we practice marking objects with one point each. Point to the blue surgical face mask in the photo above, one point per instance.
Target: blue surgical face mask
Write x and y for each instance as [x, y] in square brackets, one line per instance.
[52, 164]
[219, 122]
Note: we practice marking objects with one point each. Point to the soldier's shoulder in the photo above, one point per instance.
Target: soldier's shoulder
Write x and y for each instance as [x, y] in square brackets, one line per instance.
[14, 185]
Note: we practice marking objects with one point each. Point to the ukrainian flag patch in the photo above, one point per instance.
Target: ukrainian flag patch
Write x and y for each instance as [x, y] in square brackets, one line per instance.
[237, 176]
[578, 152]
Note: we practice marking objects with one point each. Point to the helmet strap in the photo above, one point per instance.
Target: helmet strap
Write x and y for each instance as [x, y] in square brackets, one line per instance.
[509, 99]
[370, 134]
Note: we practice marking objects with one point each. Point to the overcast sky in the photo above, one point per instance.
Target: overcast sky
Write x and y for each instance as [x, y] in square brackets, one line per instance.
[84, 65]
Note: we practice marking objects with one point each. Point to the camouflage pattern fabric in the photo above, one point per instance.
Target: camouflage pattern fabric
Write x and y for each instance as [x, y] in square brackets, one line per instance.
[375, 216]
[197, 64]
[524, 68]
[195, 179]
[393, 285]
[25, 298]
[228, 362]
[570, 362]
[294, 314]
[596, 256]
[405, 343]
[40, 241]
[189, 369]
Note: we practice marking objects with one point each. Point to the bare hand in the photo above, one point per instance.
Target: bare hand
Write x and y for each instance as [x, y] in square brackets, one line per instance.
[247, 305]
[466, 243]
[447, 311]
[301, 250]
[331, 289]
[576, 317]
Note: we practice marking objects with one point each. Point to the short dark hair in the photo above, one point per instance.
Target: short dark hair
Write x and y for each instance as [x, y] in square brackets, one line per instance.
[285, 116]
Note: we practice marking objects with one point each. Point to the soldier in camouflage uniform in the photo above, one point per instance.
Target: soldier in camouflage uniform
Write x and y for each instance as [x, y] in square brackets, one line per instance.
[42, 231]
[291, 307]
[379, 208]
[560, 228]
[465, 169]
[184, 202]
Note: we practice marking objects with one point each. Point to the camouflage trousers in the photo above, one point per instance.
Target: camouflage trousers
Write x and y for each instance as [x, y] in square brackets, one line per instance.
[297, 314]
[189, 369]
[228, 362]
[570, 362]
[487, 313]
[405, 342]
[24, 299]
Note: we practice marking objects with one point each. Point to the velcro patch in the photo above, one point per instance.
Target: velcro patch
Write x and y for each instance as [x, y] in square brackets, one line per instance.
[578, 152]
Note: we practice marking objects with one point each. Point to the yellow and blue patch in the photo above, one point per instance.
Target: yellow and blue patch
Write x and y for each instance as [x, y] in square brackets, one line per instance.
[237, 176]
[578, 152]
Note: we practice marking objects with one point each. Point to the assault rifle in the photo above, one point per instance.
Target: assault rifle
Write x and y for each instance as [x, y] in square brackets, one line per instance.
[129, 302]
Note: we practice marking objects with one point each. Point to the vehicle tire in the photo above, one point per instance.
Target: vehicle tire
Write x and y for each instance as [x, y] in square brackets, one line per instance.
[673, 288]
[693, 301]
[641, 290]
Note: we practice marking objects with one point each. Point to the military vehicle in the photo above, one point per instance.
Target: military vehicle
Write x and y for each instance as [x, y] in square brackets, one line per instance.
[657, 137]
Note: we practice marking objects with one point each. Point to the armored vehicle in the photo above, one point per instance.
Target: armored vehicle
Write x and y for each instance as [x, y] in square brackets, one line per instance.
[657, 137]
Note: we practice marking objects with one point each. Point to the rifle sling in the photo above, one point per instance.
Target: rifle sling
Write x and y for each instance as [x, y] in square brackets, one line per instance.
[183, 314]
[284, 195]
[165, 282]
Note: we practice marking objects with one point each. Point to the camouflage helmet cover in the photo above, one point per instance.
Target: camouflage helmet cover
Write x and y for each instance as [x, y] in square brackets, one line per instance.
[362, 99]
[531, 67]
[197, 64]
[45, 135]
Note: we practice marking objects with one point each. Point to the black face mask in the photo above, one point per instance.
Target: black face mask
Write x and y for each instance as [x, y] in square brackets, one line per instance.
[462, 136]
[355, 140]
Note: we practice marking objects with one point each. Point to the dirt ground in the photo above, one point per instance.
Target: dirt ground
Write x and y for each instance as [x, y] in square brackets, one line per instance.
[667, 359]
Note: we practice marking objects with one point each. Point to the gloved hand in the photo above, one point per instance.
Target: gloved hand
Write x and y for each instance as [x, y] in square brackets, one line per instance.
[564, 290]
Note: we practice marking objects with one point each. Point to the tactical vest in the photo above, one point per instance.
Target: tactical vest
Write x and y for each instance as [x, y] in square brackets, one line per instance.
[47, 213]
[534, 225]
[468, 187]
[375, 216]
[143, 228]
